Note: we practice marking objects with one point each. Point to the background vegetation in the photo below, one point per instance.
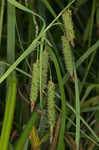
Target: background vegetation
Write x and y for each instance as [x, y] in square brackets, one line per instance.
[49, 80]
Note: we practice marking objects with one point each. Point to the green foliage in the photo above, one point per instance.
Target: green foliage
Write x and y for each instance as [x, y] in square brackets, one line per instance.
[38, 99]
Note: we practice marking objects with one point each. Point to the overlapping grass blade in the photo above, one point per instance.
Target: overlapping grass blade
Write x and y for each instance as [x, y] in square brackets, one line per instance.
[77, 96]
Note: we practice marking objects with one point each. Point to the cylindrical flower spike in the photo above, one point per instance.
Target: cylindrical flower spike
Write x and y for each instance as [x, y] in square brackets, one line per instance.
[35, 84]
[68, 57]
[44, 69]
[51, 107]
[68, 25]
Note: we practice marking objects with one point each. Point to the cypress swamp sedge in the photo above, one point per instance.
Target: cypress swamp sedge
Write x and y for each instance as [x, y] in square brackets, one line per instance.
[44, 70]
[36, 78]
[68, 57]
[68, 26]
[34, 84]
[51, 107]
[30, 32]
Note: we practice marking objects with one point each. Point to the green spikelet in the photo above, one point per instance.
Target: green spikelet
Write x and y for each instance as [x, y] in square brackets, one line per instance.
[35, 83]
[51, 107]
[68, 57]
[68, 25]
[44, 69]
